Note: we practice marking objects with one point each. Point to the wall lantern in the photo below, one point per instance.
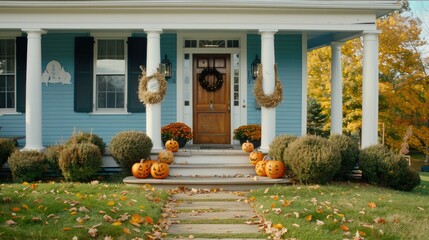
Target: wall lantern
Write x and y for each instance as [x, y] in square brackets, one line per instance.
[166, 67]
[254, 65]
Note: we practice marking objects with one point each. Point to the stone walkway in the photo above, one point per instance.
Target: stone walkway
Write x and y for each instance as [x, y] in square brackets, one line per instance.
[220, 215]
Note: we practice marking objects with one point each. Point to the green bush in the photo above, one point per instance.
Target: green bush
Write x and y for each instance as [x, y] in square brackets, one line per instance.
[80, 162]
[52, 156]
[381, 166]
[279, 144]
[84, 137]
[349, 150]
[27, 166]
[6, 148]
[313, 159]
[128, 147]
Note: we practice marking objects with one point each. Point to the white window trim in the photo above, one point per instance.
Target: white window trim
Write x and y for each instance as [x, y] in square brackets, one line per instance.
[110, 36]
[10, 111]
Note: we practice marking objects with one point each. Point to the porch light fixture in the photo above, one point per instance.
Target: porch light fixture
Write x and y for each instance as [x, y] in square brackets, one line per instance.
[166, 67]
[254, 66]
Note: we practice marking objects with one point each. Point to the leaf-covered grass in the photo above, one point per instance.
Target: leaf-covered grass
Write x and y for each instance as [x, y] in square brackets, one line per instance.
[64, 210]
[339, 211]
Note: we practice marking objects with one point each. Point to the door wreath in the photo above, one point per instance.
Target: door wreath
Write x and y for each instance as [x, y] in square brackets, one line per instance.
[151, 97]
[272, 100]
[210, 87]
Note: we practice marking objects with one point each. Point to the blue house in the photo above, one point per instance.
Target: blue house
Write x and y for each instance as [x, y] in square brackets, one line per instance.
[68, 65]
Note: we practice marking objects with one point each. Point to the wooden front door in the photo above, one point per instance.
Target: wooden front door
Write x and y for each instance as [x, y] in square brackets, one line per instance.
[211, 104]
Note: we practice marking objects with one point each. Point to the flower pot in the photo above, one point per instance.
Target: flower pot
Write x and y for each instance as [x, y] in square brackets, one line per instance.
[256, 143]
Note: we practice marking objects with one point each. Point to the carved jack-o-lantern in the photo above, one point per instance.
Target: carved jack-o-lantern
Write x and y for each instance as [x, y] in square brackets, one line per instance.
[166, 156]
[275, 169]
[255, 157]
[247, 146]
[159, 170]
[260, 168]
[141, 169]
[172, 145]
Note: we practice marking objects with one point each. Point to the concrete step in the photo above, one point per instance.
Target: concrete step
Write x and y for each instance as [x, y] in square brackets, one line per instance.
[226, 183]
[211, 169]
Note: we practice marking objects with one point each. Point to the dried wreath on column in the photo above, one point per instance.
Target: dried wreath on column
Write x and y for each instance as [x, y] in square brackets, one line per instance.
[210, 87]
[272, 100]
[148, 96]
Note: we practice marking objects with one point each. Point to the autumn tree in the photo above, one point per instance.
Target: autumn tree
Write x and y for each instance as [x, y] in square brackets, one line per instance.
[403, 82]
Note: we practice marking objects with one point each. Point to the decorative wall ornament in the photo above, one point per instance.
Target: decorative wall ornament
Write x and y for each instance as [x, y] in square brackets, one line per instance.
[272, 100]
[152, 88]
[210, 87]
[54, 73]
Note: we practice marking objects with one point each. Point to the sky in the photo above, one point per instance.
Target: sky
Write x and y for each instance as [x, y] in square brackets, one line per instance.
[420, 9]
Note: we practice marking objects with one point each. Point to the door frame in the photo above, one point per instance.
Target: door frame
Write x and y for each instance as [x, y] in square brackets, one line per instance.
[238, 113]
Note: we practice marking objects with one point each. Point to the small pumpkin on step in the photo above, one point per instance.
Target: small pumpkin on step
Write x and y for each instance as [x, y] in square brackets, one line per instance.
[160, 170]
[275, 168]
[141, 169]
[166, 156]
[172, 145]
[255, 157]
[247, 146]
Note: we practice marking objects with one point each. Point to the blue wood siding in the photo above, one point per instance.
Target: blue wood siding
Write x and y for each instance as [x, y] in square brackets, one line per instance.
[288, 49]
[59, 120]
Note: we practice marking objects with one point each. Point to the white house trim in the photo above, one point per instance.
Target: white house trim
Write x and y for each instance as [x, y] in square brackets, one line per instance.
[304, 85]
[184, 113]
[33, 100]
[153, 111]
[336, 89]
[370, 89]
[268, 115]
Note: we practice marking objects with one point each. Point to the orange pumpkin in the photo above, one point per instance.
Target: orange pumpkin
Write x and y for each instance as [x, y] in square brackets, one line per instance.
[150, 161]
[260, 168]
[247, 146]
[141, 169]
[159, 170]
[275, 169]
[172, 145]
[255, 157]
[166, 156]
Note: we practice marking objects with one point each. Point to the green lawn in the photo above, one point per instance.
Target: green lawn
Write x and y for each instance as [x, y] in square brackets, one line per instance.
[64, 210]
[338, 211]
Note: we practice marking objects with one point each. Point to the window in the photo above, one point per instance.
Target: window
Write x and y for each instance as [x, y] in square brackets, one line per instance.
[110, 80]
[7, 74]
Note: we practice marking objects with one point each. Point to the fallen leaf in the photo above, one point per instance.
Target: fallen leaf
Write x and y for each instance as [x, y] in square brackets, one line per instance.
[136, 218]
[421, 209]
[148, 219]
[344, 228]
[278, 226]
[10, 222]
[66, 229]
[16, 209]
[92, 232]
[308, 218]
[110, 203]
[318, 222]
[126, 230]
[380, 220]
[372, 205]
[25, 206]
[295, 225]
[117, 223]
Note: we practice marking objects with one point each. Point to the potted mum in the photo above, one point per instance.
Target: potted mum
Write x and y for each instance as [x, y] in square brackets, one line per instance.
[178, 131]
[251, 133]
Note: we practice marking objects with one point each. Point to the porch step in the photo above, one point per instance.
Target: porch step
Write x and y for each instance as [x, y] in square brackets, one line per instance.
[226, 183]
[221, 169]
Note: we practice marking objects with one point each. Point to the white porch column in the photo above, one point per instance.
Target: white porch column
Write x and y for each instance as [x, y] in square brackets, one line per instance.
[268, 115]
[336, 89]
[153, 111]
[33, 98]
[370, 89]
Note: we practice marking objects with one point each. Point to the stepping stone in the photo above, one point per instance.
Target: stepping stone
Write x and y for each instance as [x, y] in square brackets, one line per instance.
[189, 229]
[234, 206]
[215, 215]
[208, 196]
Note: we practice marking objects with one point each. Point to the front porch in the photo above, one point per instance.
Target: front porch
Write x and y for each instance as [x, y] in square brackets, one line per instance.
[209, 166]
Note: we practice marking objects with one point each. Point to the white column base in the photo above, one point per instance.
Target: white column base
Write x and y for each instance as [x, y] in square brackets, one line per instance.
[268, 127]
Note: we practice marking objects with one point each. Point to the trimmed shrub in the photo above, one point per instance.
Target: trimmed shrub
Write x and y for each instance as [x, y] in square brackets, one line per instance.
[80, 162]
[84, 137]
[381, 166]
[313, 159]
[128, 147]
[349, 150]
[279, 144]
[27, 166]
[53, 155]
[6, 148]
